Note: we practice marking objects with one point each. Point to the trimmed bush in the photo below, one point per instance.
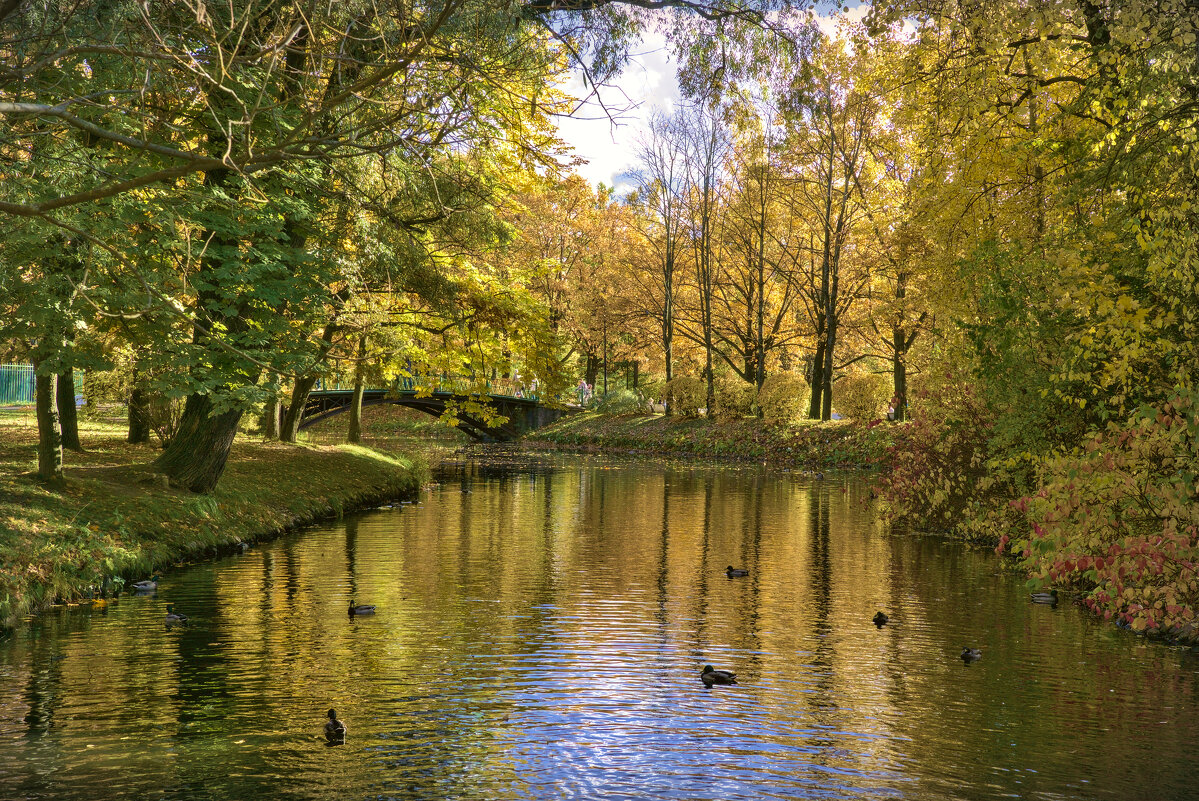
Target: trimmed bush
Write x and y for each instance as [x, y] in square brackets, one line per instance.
[686, 394]
[860, 397]
[734, 397]
[783, 397]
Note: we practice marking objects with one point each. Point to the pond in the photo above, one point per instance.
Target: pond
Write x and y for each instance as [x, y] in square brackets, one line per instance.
[542, 622]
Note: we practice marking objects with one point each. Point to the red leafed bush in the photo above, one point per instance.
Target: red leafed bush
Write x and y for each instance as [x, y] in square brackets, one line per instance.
[1120, 522]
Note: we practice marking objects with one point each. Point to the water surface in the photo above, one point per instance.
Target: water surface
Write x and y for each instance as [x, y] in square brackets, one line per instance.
[542, 624]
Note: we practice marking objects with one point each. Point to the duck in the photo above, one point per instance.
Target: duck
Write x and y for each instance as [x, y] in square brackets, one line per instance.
[335, 730]
[711, 675]
[1044, 597]
[361, 609]
[174, 618]
[971, 654]
[880, 619]
[149, 585]
[735, 572]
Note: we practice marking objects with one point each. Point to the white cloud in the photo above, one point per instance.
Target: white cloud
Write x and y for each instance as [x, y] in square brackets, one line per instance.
[649, 82]
[608, 139]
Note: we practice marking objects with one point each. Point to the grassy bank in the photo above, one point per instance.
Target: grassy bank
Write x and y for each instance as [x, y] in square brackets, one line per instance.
[114, 522]
[800, 445]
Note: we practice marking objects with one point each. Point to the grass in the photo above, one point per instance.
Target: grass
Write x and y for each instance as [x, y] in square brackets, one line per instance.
[809, 444]
[114, 522]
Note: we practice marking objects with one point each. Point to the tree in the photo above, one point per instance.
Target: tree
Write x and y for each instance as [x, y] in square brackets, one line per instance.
[707, 144]
[827, 156]
[659, 198]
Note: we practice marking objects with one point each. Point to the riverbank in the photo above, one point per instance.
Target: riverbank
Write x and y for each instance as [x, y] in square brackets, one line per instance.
[115, 522]
[806, 444]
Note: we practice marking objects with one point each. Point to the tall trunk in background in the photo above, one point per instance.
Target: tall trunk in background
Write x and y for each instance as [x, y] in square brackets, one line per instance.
[272, 414]
[49, 448]
[139, 413]
[68, 417]
[605, 361]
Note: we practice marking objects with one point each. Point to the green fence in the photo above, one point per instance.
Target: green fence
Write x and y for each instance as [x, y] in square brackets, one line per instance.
[16, 384]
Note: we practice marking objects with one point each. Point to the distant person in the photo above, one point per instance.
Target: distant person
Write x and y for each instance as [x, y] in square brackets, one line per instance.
[581, 389]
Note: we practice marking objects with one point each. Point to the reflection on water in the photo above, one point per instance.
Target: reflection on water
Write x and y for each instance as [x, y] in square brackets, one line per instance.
[540, 633]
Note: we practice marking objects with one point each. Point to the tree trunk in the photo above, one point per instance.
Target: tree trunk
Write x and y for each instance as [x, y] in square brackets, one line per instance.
[272, 413]
[299, 396]
[139, 413]
[355, 433]
[196, 456]
[592, 369]
[815, 376]
[605, 365]
[826, 402]
[899, 375]
[68, 417]
[49, 442]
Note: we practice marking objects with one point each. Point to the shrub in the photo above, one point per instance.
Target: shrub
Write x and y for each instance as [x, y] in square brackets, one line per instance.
[860, 397]
[782, 397]
[686, 394]
[1120, 522]
[621, 401]
[939, 459]
[734, 397]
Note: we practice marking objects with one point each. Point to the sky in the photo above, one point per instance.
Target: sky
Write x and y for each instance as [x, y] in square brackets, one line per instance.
[649, 82]
[609, 143]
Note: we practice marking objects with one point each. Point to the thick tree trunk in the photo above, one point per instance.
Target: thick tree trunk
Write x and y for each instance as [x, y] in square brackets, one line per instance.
[196, 456]
[899, 373]
[68, 418]
[49, 443]
[815, 378]
[826, 401]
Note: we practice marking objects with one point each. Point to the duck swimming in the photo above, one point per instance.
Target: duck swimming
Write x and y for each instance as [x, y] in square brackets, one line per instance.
[735, 572]
[335, 730]
[711, 675]
[971, 654]
[1044, 597]
[148, 585]
[174, 618]
[880, 619]
[361, 609]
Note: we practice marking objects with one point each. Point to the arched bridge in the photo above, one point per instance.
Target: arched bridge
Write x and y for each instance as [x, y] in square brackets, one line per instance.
[524, 414]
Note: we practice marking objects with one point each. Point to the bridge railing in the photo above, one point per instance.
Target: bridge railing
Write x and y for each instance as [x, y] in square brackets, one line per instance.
[461, 385]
